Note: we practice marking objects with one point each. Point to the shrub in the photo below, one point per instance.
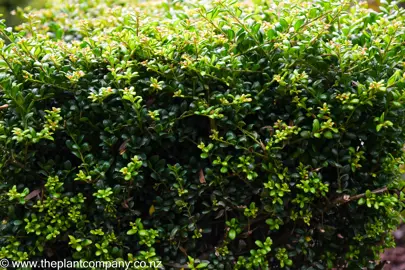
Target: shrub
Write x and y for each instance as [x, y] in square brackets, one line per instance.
[222, 136]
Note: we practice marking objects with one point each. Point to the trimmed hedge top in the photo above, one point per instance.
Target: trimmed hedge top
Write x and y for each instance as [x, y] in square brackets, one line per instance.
[218, 135]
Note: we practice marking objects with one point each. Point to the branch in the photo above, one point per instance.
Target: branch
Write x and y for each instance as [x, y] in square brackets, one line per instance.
[5, 106]
[348, 198]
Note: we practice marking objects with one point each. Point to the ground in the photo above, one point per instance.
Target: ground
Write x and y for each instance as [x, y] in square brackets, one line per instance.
[395, 257]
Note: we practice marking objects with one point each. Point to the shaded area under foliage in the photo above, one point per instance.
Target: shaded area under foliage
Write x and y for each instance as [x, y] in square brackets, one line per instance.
[395, 257]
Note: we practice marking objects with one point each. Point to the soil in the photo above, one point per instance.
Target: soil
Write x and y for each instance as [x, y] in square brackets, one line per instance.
[395, 257]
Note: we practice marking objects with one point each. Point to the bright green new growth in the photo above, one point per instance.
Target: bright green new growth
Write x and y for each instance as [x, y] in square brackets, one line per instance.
[217, 135]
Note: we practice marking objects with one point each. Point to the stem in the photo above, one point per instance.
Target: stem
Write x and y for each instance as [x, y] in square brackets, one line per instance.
[8, 64]
[347, 198]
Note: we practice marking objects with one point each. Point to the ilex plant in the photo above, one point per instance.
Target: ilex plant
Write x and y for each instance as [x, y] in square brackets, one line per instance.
[204, 134]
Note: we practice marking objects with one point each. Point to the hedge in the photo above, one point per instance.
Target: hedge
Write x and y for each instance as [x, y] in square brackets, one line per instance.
[219, 135]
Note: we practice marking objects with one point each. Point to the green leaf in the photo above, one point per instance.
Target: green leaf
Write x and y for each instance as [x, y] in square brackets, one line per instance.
[259, 243]
[174, 231]
[202, 265]
[238, 12]
[17, 222]
[232, 234]
[231, 34]
[328, 134]
[298, 24]
[256, 28]
[305, 134]
[392, 80]
[329, 263]
[315, 125]
[212, 14]
[283, 23]
[382, 117]
[131, 232]
[87, 242]
[355, 101]
[271, 33]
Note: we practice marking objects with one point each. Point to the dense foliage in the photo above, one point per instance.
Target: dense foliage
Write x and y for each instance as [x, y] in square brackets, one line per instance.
[217, 135]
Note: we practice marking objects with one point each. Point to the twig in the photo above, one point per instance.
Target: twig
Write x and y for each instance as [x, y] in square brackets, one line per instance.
[348, 198]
